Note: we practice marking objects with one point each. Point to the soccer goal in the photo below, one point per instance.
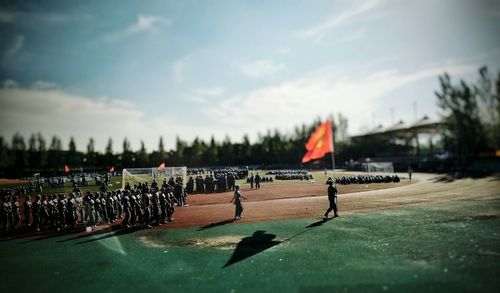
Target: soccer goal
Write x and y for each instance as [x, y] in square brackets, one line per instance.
[133, 176]
[378, 167]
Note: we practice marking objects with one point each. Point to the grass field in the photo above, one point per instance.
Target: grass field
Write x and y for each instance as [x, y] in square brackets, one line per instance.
[441, 247]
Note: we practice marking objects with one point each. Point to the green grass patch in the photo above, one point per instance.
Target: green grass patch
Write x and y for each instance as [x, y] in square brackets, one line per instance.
[447, 247]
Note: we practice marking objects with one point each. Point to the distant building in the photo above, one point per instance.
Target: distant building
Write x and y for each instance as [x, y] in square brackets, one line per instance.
[403, 143]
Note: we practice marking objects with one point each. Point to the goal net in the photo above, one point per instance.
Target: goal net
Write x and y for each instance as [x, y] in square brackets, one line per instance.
[378, 167]
[133, 176]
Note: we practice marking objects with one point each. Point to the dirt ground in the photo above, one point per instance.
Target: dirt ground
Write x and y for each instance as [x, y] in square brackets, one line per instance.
[5, 181]
[309, 200]
[304, 200]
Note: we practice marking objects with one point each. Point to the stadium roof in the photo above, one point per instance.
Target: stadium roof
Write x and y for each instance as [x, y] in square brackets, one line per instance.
[403, 129]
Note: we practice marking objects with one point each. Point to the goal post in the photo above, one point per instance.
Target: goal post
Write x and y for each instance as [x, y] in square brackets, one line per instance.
[133, 176]
[378, 167]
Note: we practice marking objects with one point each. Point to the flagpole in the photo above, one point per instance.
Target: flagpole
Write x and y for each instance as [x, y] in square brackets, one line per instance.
[333, 149]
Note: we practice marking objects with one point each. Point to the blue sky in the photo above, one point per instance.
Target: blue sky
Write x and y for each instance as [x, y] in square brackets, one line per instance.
[201, 68]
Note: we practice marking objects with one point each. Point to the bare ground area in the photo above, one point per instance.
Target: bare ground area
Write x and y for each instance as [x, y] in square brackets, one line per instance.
[5, 181]
[275, 202]
[309, 200]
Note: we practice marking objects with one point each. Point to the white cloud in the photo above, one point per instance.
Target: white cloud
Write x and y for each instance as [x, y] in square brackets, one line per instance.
[9, 84]
[16, 46]
[289, 103]
[353, 37]
[202, 95]
[284, 51]
[211, 91]
[178, 69]
[319, 31]
[144, 24]
[262, 68]
[57, 112]
[44, 85]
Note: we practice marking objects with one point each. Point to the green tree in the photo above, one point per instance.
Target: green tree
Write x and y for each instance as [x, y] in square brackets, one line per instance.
[19, 153]
[142, 157]
[42, 150]
[109, 157]
[71, 154]
[33, 160]
[55, 159]
[464, 134]
[127, 157]
[5, 161]
[490, 107]
[91, 156]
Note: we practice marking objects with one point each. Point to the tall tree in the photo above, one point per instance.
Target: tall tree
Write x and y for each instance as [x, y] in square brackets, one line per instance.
[127, 155]
[162, 155]
[109, 157]
[33, 160]
[18, 149]
[42, 150]
[71, 155]
[490, 107]
[464, 131]
[5, 161]
[91, 157]
[55, 155]
[142, 157]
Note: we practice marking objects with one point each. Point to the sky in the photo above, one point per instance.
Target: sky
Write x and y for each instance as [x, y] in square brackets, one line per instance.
[190, 69]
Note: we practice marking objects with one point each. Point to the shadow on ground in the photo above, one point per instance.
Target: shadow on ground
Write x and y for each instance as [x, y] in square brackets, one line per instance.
[252, 245]
[212, 225]
[111, 234]
[451, 177]
[319, 223]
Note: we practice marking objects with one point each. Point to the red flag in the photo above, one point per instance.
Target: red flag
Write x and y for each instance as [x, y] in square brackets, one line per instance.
[162, 166]
[112, 169]
[320, 142]
[66, 168]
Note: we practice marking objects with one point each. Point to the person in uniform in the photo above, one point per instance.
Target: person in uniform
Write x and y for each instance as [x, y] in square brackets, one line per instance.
[7, 213]
[237, 203]
[44, 213]
[126, 209]
[71, 215]
[146, 207]
[16, 216]
[37, 212]
[90, 211]
[27, 210]
[257, 181]
[332, 197]
[162, 198]
[171, 203]
[251, 180]
[61, 213]
[155, 206]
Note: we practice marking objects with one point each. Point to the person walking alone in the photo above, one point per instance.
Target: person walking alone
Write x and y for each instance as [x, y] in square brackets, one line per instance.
[332, 197]
[237, 203]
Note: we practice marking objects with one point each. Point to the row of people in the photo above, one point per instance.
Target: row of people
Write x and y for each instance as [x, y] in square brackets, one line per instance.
[292, 175]
[141, 206]
[238, 173]
[366, 179]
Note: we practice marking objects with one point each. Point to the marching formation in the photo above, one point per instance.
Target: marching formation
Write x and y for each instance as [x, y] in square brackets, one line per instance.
[145, 205]
[290, 174]
[141, 206]
[366, 179]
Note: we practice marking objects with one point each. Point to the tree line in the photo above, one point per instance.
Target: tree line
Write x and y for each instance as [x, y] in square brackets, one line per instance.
[37, 155]
[470, 112]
